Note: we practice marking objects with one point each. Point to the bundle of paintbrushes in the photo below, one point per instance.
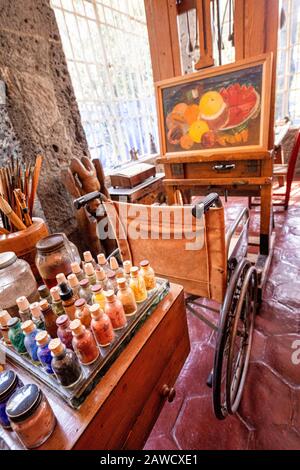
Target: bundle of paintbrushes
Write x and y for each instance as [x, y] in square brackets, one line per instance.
[18, 186]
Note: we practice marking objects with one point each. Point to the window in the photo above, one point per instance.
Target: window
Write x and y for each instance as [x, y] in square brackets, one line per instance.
[108, 57]
[288, 62]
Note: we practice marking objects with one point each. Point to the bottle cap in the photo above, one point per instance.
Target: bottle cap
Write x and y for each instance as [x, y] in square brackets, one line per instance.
[80, 303]
[43, 291]
[13, 322]
[4, 317]
[28, 326]
[100, 274]
[44, 304]
[113, 263]
[101, 259]
[84, 283]
[134, 271]
[54, 291]
[87, 256]
[89, 269]
[127, 265]
[50, 243]
[73, 281]
[22, 303]
[111, 275]
[121, 282]
[62, 320]
[75, 267]
[66, 292]
[96, 288]
[60, 278]
[144, 263]
[35, 310]
[42, 338]
[110, 295]
[76, 327]
[95, 311]
[56, 347]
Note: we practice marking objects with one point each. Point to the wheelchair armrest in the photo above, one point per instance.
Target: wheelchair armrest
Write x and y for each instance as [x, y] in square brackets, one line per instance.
[242, 220]
[204, 206]
[86, 198]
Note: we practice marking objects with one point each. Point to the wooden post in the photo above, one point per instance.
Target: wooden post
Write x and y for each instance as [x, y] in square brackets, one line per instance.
[205, 35]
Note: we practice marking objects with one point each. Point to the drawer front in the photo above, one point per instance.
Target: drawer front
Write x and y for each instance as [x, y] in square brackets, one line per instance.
[223, 169]
[140, 385]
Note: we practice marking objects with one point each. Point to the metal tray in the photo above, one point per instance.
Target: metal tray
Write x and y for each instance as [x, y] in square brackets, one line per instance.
[91, 375]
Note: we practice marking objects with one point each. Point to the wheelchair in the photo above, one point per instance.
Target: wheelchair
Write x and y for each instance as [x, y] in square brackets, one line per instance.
[218, 270]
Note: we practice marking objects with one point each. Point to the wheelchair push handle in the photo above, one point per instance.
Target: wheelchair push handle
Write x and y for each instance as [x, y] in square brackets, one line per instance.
[210, 200]
[83, 200]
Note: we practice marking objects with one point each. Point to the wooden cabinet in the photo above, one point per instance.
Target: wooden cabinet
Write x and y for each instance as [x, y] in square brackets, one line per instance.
[122, 409]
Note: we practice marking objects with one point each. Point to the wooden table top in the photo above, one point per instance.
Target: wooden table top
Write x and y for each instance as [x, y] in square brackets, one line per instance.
[129, 191]
[71, 423]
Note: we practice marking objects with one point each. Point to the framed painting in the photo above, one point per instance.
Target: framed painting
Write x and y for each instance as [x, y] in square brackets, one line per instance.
[220, 110]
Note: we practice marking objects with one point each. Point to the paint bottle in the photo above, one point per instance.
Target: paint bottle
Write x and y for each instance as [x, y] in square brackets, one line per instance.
[68, 300]
[148, 274]
[115, 311]
[87, 258]
[74, 284]
[43, 352]
[101, 326]
[64, 364]
[114, 266]
[102, 279]
[44, 293]
[82, 312]
[90, 273]
[76, 269]
[102, 262]
[16, 335]
[138, 285]
[24, 308]
[49, 318]
[127, 265]
[126, 296]
[85, 291]
[37, 316]
[57, 305]
[4, 318]
[84, 343]
[98, 295]
[63, 331]
[30, 332]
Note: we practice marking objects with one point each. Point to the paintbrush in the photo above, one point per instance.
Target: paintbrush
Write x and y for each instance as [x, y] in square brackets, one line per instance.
[11, 215]
[34, 182]
[21, 200]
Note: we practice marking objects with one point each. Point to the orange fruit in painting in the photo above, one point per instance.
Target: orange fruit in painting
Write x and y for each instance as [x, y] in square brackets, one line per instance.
[191, 113]
[197, 129]
[186, 142]
[180, 108]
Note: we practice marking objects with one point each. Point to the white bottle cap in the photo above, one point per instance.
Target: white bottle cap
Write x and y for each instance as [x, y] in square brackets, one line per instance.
[75, 267]
[101, 259]
[113, 263]
[35, 310]
[60, 278]
[22, 303]
[73, 281]
[87, 256]
[54, 291]
[89, 269]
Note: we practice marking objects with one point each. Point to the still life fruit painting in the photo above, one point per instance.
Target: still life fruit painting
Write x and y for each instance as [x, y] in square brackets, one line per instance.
[220, 111]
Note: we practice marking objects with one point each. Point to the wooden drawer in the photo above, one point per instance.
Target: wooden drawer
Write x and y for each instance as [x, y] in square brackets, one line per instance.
[223, 169]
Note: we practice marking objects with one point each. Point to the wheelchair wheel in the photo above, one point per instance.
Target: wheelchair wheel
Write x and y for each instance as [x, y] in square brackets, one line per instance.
[234, 339]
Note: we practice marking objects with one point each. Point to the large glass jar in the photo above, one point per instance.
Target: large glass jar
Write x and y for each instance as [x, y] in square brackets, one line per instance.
[55, 253]
[16, 280]
[30, 415]
[9, 383]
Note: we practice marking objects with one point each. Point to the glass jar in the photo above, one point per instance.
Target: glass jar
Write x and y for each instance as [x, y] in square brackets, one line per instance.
[55, 253]
[148, 274]
[138, 285]
[84, 343]
[30, 415]
[9, 383]
[126, 296]
[82, 312]
[101, 326]
[16, 335]
[114, 309]
[43, 351]
[30, 332]
[65, 364]
[49, 318]
[85, 291]
[63, 331]
[16, 279]
[4, 319]
[98, 296]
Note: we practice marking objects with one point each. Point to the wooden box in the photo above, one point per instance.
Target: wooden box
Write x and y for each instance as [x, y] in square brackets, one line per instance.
[132, 176]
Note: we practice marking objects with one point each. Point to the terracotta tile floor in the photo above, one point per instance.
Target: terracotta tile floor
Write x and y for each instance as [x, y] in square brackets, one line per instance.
[269, 415]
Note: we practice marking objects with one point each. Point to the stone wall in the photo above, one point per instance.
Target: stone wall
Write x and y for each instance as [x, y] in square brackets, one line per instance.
[41, 104]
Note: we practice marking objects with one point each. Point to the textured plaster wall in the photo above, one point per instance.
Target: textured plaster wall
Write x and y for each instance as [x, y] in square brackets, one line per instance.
[41, 104]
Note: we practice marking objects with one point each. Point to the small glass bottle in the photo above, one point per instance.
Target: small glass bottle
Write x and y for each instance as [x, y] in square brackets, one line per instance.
[43, 352]
[49, 318]
[90, 273]
[111, 277]
[56, 301]
[87, 258]
[114, 266]
[148, 274]
[74, 284]
[98, 295]
[37, 316]
[68, 300]
[102, 261]
[102, 279]
[64, 364]
[84, 343]
[127, 265]
[101, 326]
[44, 293]
[16, 335]
[9, 383]
[30, 415]
[85, 291]
[76, 269]
[4, 318]
[30, 332]
[82, 312]
[138, 285]
[126, 296]
[61, 278]
[24, 308]
[114, 309]
[63, 331]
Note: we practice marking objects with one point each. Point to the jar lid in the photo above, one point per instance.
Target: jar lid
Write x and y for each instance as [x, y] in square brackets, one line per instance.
[76, 327]
[110, 295]
[111, 275]
[7, 258]
[42, 338]
[23, 402]
[62, 319]
[56, 347]
[96, 288]
[144, 263]
[43, 291]
[121, 281]
[28, 326]
[84, 282]
[95, 310]
[50, 243]
[66, 292]
[44, 304]
[80, 303]
[13, 322]
[8, 381]
[134, 271]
